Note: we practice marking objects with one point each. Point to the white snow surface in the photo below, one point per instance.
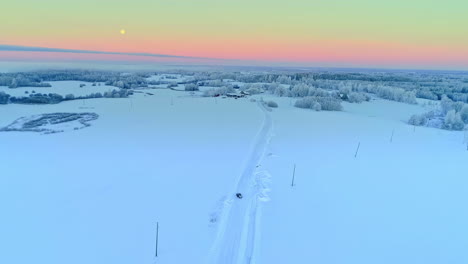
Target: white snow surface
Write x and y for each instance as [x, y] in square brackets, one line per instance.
[400, 200]
[95, 195]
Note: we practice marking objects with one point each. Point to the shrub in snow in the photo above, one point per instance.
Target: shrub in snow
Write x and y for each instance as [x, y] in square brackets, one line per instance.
[300, 90]
[69, 97]
[191, 87]
[116, 93]
[329, 104]
[4, 97]
[433, 119]
[418, 120]
[453, 121]
[272, 104]
[209, 93]
[306, 102]
[326, 103]
[436, 122]
[354, 97]
[436, 119]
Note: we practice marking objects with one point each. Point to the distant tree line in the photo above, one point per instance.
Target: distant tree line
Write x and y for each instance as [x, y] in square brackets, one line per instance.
[40, 78]
[53, 98]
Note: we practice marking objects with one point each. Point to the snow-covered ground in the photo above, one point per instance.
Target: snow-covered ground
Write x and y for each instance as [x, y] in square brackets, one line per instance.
[400, 200]
[95, 195]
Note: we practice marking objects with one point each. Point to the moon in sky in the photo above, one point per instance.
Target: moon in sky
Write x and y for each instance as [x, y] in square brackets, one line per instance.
[122, 31]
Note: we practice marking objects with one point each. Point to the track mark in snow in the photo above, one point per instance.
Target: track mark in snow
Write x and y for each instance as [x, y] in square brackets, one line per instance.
[238, 230]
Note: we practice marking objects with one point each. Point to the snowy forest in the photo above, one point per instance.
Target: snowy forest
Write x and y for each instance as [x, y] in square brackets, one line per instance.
[447, 92]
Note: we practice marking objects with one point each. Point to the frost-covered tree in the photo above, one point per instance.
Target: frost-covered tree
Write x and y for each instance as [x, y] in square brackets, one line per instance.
[191, 87]
[318, 92]
[453, 121]
[283, 79]
[393, 94]
[14, 83]
[300, 90]
[255, 88]
[426, 95]
[317, 106]
[215, 83]
[120, 84]
[271, 88]
[446, 104]
[464, 114]
[326, 103]
[282, 91]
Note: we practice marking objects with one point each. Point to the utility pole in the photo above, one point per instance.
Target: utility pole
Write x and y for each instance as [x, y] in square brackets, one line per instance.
[293, 175]
[157, 238]
[357, 150]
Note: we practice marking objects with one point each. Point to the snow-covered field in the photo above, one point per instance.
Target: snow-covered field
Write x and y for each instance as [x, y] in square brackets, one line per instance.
[400, 200]
[95, 195]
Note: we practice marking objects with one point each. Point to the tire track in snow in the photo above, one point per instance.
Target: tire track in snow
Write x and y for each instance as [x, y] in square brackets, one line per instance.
[237, 232]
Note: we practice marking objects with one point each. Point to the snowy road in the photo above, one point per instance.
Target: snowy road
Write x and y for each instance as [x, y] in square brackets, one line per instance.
[238, 228]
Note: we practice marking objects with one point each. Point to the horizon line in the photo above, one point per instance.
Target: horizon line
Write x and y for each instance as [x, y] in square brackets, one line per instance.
[61, 50]
[256, 63]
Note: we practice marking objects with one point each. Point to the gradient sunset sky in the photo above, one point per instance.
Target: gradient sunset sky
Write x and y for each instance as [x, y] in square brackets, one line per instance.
[370, 33]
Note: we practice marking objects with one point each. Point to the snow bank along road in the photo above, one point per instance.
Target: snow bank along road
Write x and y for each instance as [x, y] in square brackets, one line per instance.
[237, 231]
